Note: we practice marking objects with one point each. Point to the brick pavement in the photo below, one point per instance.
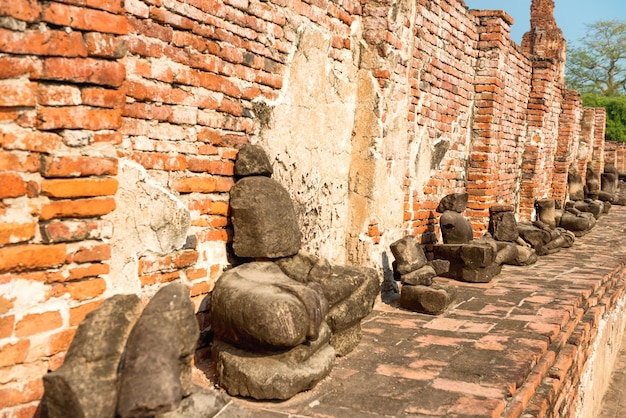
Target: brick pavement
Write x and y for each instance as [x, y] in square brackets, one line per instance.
[513, 347]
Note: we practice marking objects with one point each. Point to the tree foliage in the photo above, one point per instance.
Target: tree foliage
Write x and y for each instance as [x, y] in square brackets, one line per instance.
[598, 65]
[615, 114]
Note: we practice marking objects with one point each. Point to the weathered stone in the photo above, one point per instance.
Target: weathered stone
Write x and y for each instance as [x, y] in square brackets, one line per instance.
[86, 384]
[252, 161]
[440, 266]
[469, 262]
[346, 340]
[264, 220]
[579, 222]
[575, 187]
[256, 306]
[409, 254]
[431, 300]
[202, 403]
[455, 229]
[365, 284]
[534, 236]
[525, 256]
[423, 276]
[607, 197]
[610, 178]
[156, 373]
[276, 376]
[546, 212]
[502, 225]
[594, 207]
[507, 253]
[456, 202]
[298, 266]
[592, 185]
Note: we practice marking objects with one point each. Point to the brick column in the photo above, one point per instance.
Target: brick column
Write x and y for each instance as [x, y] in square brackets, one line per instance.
[490, 85]
[567, 144]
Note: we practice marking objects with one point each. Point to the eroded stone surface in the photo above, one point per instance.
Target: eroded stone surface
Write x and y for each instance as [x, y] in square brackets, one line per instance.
[156, 372]
[252, 161]
[432, 300]
[277, 376]
[86, 384]
[263, 218]
[256, 306]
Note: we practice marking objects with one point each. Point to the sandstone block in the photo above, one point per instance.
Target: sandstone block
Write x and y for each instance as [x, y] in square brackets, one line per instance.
[264, 220]
[433, 300]
[409, 255]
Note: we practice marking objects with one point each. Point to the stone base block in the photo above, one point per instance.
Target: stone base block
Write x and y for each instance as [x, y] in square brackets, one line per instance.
[273, 375]
[346, 340]
[433, 300]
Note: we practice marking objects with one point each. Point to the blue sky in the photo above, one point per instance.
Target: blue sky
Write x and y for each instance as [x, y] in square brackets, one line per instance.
[571, 15]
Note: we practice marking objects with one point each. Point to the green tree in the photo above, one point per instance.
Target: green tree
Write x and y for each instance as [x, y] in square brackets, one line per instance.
[615, 114]
[598, 65]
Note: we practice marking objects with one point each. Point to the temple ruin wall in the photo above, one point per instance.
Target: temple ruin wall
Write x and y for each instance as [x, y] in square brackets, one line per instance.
[120, 122]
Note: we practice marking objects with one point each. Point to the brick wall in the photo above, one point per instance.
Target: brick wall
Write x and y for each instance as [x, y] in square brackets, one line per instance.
[120, 123]
[615, 153]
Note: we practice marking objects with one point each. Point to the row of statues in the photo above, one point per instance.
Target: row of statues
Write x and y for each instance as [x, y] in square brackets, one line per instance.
[282, 315]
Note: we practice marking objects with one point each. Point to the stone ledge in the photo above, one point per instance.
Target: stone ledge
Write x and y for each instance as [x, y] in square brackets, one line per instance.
[535, 341]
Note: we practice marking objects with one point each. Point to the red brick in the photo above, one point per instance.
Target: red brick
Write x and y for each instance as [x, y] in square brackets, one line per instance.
[11, 354]
[79, 187]
[159, 278]
[51, 42]
[17, 93]
[78, 117]
[158, 161]
[60, 341]
[5, 304]
[15, 67]
[78, 313]
[78, 166]
[91, 270]
[37, 323]
[85, 19]
[19, 162]
[58, 95]
[28, 10]
[30, 257]
[80, 290]
[100, 252]
[86, 70]
[99, 97]
[105, 46]
[20, 393]
[113, 6]
[211, 166]
[80, 208]
[200, 288]
[6, 326]
[12, 185]
[13, 232]
[74, 230]
[30, 141]
[202, 184]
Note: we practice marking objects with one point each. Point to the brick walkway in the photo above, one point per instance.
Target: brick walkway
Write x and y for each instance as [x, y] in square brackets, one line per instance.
[506, 348]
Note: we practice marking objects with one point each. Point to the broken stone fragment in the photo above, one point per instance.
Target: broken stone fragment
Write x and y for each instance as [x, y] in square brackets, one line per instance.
[409, 255]
[423, 276]
[575, 185]
[252, 161]
[156, 372]
[202, 403]
[256, 306]
[277, 376]
[264, 219]
[86, 385]
[502, 224]
[433, 300]
[364, 285]
[546, 212]
[456, 202]
[469, 262]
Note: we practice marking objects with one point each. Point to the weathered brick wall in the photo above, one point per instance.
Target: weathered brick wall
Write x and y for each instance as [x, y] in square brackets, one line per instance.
[615, 153]
[120, 122]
